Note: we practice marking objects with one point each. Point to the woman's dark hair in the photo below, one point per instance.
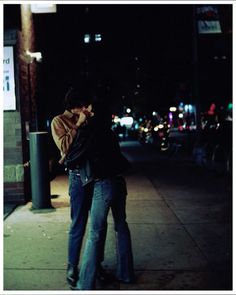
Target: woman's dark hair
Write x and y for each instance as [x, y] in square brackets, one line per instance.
[77, 97]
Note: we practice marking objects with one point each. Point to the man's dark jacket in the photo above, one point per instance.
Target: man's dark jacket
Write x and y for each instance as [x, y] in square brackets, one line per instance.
[95, 152]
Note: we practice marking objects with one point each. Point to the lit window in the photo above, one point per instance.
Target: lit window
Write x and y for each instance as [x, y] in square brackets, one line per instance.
[98, 37]
[87, 38]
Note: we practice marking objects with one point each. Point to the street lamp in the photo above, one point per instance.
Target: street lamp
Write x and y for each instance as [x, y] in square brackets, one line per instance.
[34, 56]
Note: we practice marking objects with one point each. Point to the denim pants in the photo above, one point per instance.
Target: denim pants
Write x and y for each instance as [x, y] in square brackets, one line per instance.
[80, 202]
[108, 193]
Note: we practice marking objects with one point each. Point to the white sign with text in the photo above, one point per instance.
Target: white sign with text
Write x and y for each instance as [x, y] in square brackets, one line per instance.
[9, 79]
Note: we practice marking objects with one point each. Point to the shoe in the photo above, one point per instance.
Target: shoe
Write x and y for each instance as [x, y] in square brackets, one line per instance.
[103, 276]
[72, 275]
[74, 288]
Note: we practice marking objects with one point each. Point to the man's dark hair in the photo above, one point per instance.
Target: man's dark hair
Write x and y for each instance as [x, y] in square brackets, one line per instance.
[77, 97]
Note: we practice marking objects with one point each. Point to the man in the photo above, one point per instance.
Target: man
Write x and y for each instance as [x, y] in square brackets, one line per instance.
[65, 127]
[107, 164]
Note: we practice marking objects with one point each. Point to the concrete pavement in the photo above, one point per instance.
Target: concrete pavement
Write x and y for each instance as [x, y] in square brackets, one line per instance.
[170, 251]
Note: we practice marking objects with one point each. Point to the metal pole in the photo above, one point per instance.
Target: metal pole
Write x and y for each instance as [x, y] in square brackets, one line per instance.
[196, 71]
[39, 168]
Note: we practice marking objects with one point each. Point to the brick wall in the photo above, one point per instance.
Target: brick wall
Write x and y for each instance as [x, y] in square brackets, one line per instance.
[16, 176]
[13, 160]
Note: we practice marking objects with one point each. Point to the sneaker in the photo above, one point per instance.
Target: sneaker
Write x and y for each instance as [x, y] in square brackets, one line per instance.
[72, 275]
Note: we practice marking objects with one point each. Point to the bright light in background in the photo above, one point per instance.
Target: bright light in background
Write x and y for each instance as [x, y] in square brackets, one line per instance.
[43, 8]
[154, 113]
[181, 115]
[188, 107]
[181, 106]
[230, 106]
[128, 110]
[172, 109]
[126, 121]
[87, 38]
[156, 128]
[98, 37]
[116, 119]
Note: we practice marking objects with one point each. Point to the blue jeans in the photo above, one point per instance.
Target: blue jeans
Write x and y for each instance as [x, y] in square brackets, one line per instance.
[80, 202]
[108, 193]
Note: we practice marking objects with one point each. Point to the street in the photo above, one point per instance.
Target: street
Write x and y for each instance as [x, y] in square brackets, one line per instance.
[199, 203]
[180, 221]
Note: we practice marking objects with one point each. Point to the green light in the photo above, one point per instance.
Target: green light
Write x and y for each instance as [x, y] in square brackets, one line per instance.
[230, 106]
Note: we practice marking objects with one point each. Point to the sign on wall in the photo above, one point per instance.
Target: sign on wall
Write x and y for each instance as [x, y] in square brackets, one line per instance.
[9, 79]
[208, 19]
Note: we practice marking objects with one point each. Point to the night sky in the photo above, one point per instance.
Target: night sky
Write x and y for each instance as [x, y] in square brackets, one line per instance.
[146, 45]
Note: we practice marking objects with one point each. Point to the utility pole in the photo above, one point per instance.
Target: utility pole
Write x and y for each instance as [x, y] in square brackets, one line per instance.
[196, 71]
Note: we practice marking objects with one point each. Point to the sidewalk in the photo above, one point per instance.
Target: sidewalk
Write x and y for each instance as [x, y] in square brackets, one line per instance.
[166, 256]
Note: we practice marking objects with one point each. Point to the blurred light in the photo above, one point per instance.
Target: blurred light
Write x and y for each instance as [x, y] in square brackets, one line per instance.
[98, 37]
[34, 55]
[116, 119]
[181, 106]
[127, 121]
[87, 38]
[230, 106]
[145, 129]
[211, 110]
[186, 108]
[154, 113]
[181, 115]
[43, 8]
[156, 128]
[160, 126]
[128, 110]
[138, 86]
[170, 116]
[172, 109]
